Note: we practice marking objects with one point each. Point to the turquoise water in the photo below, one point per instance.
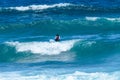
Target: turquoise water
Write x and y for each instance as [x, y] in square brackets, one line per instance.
[88, 50]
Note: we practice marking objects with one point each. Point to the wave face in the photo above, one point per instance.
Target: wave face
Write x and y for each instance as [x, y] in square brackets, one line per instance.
[81, 51]
[42, 49]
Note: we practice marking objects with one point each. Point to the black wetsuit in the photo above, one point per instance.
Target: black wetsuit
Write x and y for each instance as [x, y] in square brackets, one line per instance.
[57, 38]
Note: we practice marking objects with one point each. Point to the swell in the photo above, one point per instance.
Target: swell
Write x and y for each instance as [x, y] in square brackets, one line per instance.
[88, 25]
[97, 51]
[9, 54]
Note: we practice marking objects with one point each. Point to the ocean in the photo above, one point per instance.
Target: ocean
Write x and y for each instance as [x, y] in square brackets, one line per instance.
[89, 46]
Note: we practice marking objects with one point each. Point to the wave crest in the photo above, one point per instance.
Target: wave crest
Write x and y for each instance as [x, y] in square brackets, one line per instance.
[38, 7]
[43, 48]
[66, 8]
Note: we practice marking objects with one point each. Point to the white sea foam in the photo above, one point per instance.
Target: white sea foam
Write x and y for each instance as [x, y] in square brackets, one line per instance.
[43, 48]
[92, 18]
[104, 18]
[39, 7]
[73, 76]
[113, 19]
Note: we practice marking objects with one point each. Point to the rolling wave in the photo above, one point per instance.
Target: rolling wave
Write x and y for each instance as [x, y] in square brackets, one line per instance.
[62, 8]
[87, 25]
[34, 7]
[100, 51]
[69, 50]
[39, 7]
[76, 75]
[36, 51]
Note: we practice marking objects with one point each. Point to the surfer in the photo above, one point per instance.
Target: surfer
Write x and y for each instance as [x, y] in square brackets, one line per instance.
[57, 37]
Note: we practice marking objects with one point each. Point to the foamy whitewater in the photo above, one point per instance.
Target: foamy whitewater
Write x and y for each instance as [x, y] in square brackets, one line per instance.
[89, 46]
[48, 48]
[38, 7]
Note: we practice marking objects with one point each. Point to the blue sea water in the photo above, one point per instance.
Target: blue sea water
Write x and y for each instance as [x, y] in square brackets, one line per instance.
[89, 48]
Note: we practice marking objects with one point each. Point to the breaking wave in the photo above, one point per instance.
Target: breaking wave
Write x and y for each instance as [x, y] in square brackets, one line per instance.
[43, 48]
[70, 50]
[77, 75]
[62, 8]
[39, 7]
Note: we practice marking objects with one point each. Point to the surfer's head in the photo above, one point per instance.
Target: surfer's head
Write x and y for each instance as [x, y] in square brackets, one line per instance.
[57, 34]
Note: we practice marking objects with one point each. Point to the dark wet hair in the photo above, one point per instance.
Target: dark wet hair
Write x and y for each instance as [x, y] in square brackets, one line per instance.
[57, 34]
